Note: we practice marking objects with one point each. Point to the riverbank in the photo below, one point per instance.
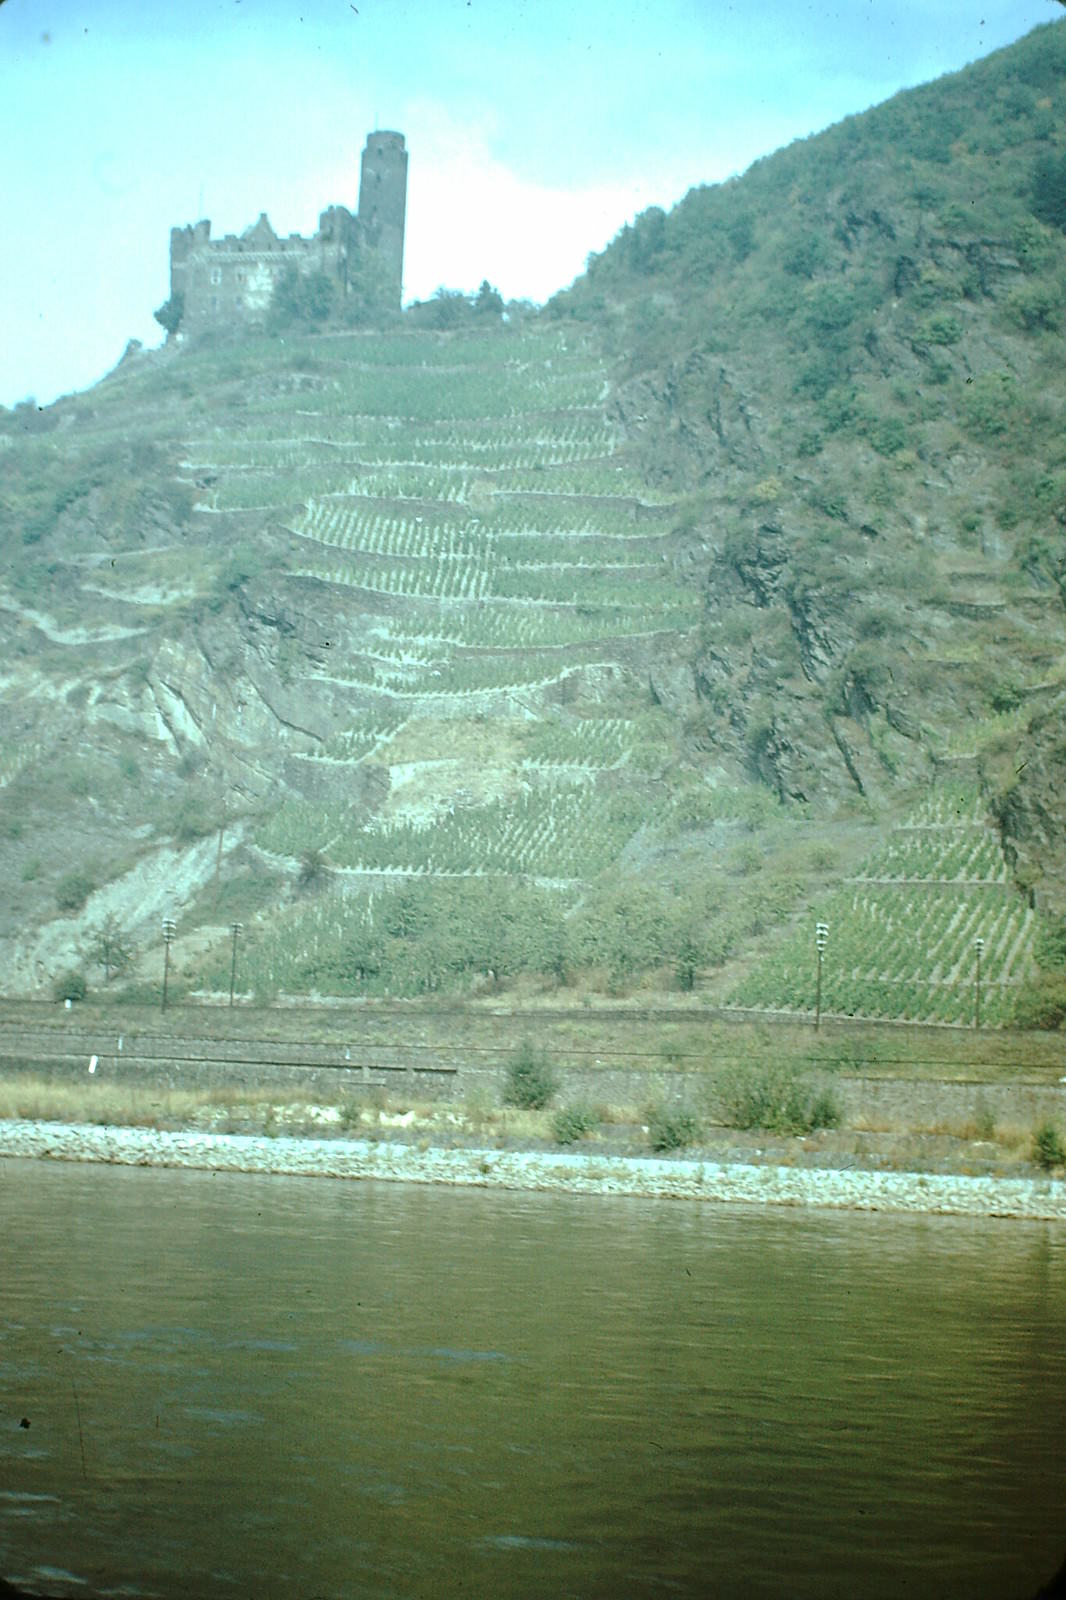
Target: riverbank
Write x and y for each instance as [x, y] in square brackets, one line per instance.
[660, 1177]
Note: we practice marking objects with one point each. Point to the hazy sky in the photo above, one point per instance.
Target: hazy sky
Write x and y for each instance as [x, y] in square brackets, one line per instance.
[536, 128]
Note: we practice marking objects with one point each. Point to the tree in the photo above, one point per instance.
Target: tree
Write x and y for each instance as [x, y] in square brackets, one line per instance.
[370, 292]
[111, 948]
[1049, 190]
[314, 869]
[448, 308]
[171, 312]
[489, 301]
[302, 299]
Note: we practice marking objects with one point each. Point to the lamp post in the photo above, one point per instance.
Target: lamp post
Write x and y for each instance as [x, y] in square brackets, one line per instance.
[236, 929]
[821, 939]
[170, 928]
[979, 945]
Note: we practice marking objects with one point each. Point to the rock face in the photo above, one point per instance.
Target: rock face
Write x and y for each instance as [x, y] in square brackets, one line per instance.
[1032, 812]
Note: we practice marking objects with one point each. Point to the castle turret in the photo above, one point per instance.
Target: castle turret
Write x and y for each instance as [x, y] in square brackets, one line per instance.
[383, 201]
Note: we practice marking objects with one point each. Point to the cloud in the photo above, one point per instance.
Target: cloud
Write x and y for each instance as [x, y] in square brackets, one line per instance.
[472, 217]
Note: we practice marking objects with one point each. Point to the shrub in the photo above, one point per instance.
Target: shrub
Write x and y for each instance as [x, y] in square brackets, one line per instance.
[1049, 190]
[571, 1123]
[191, 820]
[1048, 1150]
[73, 889]
[530, 1080]
[313, 869]
[171, 312]
[299, 299]
[70, 986]
[349, 1112]
[984, 1120]
[778, 1100]
[672, 1127]
[941, 328]
[1041, 1002]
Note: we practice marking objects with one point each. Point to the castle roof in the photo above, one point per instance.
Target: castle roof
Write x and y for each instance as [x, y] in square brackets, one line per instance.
[261, 235]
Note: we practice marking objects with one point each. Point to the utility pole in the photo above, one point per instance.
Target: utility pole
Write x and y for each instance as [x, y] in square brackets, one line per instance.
[170, 928]
[236, 928]
[821, 939]
[979, 945]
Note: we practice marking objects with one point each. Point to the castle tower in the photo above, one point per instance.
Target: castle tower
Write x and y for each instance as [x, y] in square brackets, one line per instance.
[383, 200]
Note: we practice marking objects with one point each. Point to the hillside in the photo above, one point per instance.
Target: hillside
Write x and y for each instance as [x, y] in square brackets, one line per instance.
[602, 648]
[851, 358]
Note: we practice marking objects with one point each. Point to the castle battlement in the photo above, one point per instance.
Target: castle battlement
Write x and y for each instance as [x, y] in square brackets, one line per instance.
[231, 281]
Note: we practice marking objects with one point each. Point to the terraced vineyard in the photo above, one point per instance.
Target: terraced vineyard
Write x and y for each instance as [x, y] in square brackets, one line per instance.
[902, 933]
[464, 508]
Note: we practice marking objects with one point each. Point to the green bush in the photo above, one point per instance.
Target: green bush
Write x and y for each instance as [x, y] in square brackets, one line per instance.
[1048, 1150]
[171, 312]
[1041, 1002]
[70, 986]
[571, 1123]
[73, 889]
[672, 1127]
[301, 300]
[984, 1120]
[350, 1113]
[530, 1080]
[191, 820]
[776, 1099]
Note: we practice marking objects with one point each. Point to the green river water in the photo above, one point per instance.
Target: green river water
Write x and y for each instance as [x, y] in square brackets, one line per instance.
[243, 1386]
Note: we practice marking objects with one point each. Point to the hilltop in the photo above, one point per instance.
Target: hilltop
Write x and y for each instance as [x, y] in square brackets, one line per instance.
[601, 647]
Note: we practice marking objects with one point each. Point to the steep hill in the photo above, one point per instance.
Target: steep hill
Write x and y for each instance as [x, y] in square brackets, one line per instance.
[852, 360]
[608, 643]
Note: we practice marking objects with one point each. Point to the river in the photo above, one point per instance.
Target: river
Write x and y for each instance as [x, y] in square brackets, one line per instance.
[255, 1386]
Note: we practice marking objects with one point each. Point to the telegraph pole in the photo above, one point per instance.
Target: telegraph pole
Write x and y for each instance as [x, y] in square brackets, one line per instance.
[821, 939]
[979, 945]
[170, 928]
[236, 928]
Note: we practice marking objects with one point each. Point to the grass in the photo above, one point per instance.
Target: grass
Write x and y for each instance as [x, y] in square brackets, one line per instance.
[38, 1099]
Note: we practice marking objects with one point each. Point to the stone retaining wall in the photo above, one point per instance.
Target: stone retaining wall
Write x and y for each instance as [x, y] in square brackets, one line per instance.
[864, 1101]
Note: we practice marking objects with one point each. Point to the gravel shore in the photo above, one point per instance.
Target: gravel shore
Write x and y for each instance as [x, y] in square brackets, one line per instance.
[564, 1171]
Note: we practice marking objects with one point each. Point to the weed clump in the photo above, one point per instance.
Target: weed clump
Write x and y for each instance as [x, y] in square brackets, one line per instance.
[984, 1120]
[672, 1127]
[777, 1099]
[1048, 1148]
[70, 986]
[349, 1113]
[571, 1123]
[73, 889]
[530, 1079]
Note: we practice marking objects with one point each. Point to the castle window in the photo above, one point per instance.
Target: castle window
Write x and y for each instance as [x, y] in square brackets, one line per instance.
[216, 274]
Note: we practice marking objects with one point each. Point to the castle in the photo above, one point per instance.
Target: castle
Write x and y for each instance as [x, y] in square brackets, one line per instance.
[223, 282]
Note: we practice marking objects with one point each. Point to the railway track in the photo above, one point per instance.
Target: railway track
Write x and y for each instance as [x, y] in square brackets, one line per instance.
[376, 1043]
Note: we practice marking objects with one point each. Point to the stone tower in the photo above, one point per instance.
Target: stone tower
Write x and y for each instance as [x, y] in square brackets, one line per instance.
[383, 201]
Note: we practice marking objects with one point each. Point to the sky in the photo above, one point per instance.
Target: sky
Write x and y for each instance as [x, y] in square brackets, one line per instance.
[536, 129]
